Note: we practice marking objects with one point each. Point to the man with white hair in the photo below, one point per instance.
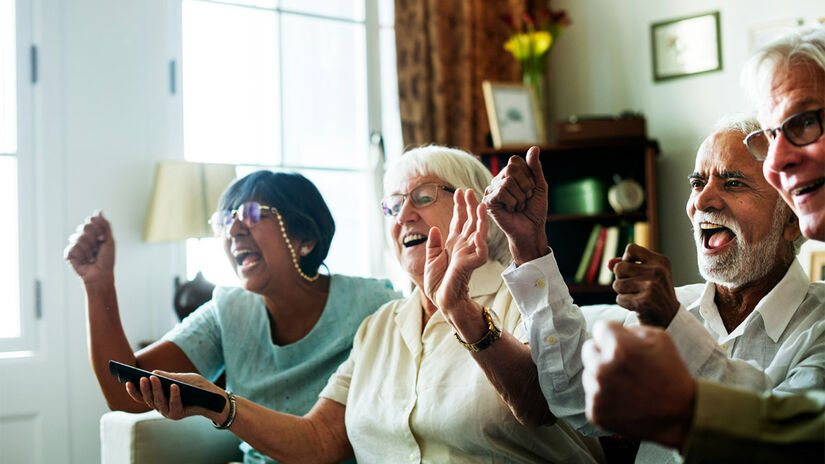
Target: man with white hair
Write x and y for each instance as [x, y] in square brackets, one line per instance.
[755, 323]
[711, 422]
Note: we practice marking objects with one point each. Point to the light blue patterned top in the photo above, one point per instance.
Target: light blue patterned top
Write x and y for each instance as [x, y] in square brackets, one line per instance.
[231, 332]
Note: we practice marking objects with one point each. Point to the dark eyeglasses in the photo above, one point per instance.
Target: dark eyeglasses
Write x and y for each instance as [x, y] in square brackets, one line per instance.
[800, 129]
[421, 196]
[249, 213]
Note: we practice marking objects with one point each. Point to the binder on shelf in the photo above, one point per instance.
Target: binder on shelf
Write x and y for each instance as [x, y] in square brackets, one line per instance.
[631, 234]
[593, 269]
[641, 234]
[611, 242]
[587, 256]
[625, 231]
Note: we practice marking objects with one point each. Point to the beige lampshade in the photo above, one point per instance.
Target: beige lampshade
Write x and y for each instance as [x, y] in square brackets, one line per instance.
[184, 196]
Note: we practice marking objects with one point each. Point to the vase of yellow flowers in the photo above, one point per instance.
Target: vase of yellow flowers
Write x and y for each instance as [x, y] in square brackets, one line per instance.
[530, 43]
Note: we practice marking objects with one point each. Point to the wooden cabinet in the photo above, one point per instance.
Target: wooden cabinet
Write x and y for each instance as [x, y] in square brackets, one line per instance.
[604, 160]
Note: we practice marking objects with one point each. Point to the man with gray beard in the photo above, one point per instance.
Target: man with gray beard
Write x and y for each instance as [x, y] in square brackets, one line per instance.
[756, 323]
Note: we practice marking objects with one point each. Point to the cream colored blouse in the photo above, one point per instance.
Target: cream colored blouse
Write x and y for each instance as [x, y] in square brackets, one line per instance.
[418, 396]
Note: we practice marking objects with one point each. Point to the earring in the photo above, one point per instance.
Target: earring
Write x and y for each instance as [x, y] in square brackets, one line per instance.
[304, 250]
[292, 250]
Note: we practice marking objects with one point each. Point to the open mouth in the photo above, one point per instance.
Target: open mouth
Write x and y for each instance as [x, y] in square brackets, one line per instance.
[246, 258]
[412, 240]
[715, 236]
[802, 190]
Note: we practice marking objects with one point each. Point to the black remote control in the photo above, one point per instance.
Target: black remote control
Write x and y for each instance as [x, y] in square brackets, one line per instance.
[190, 395]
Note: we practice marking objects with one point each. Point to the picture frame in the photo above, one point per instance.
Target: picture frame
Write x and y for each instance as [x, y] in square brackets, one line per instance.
[817, 266]
[763, 33]
[514, 115]
[686, 46]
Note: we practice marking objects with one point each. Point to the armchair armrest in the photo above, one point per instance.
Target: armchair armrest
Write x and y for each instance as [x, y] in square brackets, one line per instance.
[151, 438]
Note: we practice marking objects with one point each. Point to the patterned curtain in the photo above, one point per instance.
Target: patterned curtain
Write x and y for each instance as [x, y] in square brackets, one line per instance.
[445, 49]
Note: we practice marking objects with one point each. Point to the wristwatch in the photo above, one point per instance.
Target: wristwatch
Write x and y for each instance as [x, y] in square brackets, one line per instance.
[493, 334]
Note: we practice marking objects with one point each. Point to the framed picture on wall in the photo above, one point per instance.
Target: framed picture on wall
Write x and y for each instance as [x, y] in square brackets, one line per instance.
[686, 46]
[763, 33]
[513, 112]
[817, 266]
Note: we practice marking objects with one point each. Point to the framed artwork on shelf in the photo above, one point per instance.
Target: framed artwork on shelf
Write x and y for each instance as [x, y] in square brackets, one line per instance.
[513, 112]
[686, 46]
[817, 266]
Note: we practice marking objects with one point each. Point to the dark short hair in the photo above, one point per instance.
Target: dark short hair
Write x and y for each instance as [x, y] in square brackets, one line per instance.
[305, 213]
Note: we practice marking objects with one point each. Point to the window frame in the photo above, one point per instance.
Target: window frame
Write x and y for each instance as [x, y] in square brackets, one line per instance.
[374, 166]
[26, 69]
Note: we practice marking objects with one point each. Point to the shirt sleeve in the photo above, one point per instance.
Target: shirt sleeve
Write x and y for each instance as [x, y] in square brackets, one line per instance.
[705, 359]
[337, 388]
[556, 331]
[734, 425]
[199, 336]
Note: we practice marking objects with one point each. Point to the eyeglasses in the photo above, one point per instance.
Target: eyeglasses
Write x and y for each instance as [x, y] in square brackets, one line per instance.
[800, 129]
[249, 213]
[421, 196]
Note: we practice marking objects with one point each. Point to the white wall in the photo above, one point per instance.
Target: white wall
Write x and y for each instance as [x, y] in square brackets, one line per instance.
[602, 65]
[104, 116]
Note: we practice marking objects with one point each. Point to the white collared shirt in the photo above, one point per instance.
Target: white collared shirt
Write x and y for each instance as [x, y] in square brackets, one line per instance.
[780, 345]
[418, 396]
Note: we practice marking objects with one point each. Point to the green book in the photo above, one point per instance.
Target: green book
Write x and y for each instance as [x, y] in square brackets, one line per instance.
[588, 253]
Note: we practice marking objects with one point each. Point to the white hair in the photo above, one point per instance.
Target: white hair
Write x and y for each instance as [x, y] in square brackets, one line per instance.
[804, 45]
[459, 169]
[737, 123]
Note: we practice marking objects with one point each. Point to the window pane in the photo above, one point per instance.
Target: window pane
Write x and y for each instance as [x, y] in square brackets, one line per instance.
[348, 196]
[345, 9]
[8, 79]
[325, 93]
[390, 110]
[206, 255]
[258, 3]
[9, 271]
[230, 81]
[386, 13]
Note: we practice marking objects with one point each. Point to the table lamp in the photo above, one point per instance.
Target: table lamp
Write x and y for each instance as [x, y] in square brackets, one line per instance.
[184, 196]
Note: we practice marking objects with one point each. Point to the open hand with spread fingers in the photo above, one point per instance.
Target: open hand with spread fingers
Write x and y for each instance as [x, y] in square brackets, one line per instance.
[450, 263]
[644, 285]
[517, 200]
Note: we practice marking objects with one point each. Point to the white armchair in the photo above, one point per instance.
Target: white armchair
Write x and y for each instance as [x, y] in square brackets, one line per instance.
[150, 438]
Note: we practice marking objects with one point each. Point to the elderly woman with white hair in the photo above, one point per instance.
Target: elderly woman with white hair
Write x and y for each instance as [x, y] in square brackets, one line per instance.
[442, 376]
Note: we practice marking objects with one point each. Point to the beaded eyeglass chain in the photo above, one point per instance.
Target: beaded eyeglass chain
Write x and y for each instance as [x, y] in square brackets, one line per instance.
[292, 250]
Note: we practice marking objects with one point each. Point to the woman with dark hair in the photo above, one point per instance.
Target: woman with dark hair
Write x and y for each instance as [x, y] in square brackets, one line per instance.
[279, 337]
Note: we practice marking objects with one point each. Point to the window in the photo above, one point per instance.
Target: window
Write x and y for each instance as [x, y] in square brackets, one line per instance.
[297, 86]
[16, 325]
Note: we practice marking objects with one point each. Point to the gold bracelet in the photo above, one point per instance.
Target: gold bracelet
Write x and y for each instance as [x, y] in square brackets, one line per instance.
[233, 410]
[493, 334]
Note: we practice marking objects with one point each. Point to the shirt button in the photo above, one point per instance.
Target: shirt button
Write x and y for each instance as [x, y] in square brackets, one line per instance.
[724, 346]
[551, 340]
[540, 283]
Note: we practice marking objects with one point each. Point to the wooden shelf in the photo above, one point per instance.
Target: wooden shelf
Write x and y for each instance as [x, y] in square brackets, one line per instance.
[587, 145]
[590, 288]
[604, 160]
[632, 217]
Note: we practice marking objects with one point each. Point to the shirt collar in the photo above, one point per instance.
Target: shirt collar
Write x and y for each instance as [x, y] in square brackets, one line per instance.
[780, 304]
[776, 308]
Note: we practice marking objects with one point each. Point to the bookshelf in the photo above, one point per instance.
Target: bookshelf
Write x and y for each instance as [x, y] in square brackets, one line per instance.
[632, 158]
